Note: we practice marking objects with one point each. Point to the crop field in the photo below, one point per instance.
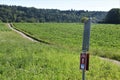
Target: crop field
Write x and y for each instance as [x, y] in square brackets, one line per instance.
[104, 42]
[21, 59]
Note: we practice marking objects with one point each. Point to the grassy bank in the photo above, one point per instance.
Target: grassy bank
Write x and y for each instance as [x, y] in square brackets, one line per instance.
[21, 59]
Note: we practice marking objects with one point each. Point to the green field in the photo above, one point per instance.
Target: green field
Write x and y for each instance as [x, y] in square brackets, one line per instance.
[21, 59]
[105, 39]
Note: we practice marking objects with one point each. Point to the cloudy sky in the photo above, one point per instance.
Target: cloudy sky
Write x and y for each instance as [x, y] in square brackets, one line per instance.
[91, 5]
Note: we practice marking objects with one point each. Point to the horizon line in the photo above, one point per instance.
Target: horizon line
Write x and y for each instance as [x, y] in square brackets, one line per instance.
[55, 8]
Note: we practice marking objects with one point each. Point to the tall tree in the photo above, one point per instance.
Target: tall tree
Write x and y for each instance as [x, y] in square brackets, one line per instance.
[113, 16]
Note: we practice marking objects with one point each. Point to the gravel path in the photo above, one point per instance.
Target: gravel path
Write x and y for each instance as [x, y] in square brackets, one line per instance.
[22, 34]
[111, 60]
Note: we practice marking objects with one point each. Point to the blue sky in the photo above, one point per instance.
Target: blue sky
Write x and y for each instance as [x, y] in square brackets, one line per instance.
[91, 5]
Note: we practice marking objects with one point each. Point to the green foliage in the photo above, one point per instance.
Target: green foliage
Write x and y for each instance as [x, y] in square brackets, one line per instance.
[59, 34]
[113, 16]
[21, 59]
[104, 38]
[5, 28]
[0, 21]
[24, 14]
[84, 19]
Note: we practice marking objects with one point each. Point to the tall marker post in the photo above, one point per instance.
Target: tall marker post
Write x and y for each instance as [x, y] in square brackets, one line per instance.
[84, 56]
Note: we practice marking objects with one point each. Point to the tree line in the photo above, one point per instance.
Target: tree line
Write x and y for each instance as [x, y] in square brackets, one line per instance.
[31, 14]
[113, 16]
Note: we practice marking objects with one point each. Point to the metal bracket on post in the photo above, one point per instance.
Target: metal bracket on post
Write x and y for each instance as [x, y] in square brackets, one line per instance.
[84, 57]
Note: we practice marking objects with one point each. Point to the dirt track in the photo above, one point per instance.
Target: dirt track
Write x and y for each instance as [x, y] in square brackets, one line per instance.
[111, 60]
[22, 34]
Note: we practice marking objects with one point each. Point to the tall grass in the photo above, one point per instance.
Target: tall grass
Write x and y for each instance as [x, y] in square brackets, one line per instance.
[104, 39]
[21, 59]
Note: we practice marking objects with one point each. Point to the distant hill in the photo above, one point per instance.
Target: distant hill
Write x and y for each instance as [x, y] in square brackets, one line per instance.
[25, 14]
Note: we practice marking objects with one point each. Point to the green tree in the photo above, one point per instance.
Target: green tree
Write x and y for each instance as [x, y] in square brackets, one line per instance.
[113, 16]
[24, 14]
[84, 19]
